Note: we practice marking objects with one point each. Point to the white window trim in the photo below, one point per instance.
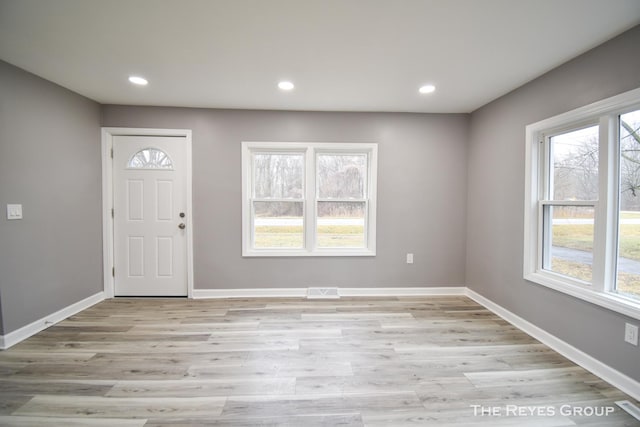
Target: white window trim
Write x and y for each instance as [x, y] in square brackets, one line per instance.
[605, 112]
[311, 150]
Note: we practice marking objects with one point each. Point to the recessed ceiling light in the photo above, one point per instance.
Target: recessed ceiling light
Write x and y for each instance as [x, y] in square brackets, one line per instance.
[286, 85]
[137, 80]
[427, 89]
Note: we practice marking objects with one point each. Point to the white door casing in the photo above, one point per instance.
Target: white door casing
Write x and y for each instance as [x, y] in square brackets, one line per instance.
[147, 183]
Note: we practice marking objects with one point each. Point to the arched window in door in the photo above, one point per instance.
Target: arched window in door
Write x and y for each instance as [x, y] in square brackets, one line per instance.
[150, 158]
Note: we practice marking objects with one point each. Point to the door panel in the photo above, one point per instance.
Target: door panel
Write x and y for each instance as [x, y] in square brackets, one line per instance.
[164, 190]
[165, 255]
[149, 189]
[135, 207]
[135, 260]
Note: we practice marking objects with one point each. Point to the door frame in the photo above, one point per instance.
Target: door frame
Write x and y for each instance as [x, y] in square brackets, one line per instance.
[108, 133]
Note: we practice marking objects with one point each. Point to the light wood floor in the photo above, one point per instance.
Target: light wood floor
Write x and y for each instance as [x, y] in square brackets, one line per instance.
[294, 362]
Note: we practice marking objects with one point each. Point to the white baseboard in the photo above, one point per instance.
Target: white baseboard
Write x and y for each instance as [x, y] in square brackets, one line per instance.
[401, 292]
[343, 292]
[12, 338]
[607, 373]
[250, 293]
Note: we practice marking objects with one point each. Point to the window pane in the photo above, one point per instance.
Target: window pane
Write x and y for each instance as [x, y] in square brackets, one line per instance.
[278, 176]
[575, 165]
[278, 225]
[341, 224]
[150, 158]
[569, 241]
[342, 176]
[628, 280]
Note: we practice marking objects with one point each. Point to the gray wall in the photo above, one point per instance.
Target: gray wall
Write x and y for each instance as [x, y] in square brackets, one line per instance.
[50, 163]
[421, 194]
[496, 199]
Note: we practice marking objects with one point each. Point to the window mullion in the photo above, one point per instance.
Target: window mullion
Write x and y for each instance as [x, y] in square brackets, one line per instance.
[310, 202]
[606, 223]
[613, 135]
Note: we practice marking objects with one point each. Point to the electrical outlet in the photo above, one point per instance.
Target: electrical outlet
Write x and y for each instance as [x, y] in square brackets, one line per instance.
[631, 333]
[409, 258]
[14, 211]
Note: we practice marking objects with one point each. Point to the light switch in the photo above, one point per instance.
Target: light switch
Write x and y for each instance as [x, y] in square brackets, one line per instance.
[14, 211]
[631, 333]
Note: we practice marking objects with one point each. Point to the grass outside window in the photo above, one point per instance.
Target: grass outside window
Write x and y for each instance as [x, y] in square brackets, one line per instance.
[580, 237]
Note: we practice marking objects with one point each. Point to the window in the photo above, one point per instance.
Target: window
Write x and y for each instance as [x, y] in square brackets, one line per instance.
[150, 158]
[628, 216]
[568, 209]
[308, 199]
[278, 200]
[582, 213]
[342, 200]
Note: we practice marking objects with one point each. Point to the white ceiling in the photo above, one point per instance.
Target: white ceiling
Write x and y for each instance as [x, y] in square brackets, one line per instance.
[342, 55]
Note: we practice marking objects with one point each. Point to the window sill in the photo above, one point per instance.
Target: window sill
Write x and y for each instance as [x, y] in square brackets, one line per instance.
[611, 301]
[304, 253]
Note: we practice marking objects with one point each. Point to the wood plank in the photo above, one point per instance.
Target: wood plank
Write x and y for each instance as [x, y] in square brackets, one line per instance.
[343, 404]
[329, 420]
[119, 407]
[204, 387]
[19, 421]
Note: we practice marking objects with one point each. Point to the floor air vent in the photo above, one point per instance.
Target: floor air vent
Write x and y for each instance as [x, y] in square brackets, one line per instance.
[324, 293]
[632, 409]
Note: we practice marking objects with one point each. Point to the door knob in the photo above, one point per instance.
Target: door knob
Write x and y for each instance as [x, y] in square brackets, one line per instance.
[181, 226]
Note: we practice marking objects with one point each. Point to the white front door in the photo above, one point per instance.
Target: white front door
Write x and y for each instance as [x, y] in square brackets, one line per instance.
[149, 217]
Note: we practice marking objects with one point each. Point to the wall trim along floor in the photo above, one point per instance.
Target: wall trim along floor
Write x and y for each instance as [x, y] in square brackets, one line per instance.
[13, 338]
[607, 373]
[343, 292]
